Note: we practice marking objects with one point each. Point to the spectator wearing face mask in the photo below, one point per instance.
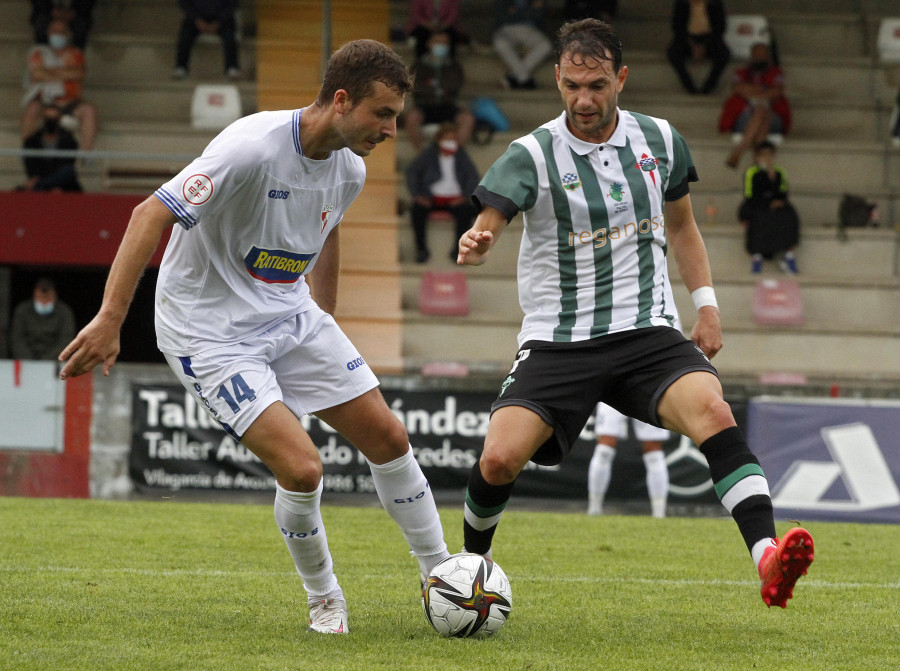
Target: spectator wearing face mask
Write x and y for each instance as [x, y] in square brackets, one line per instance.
[758, 106]
[76, 13]
[439, 80]
[56, 77]
[430, 16]
[51, 173]
[43, 326]
[442, 178]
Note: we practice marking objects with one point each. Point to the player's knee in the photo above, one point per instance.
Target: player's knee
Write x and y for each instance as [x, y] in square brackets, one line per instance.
[497, 468]
[717, 415]
[388, 442]
[300, 476]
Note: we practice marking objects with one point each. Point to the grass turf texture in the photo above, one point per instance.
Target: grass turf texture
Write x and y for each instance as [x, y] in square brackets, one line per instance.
[138, 585]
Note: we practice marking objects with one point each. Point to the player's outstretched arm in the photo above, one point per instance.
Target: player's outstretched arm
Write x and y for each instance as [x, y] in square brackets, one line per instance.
[475, 243]
[689, 250]
[98, 342]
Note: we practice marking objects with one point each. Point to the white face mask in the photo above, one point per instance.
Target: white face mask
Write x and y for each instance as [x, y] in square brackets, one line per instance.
[440, 51]
[449, 146]
[44, 308]
[58, 41]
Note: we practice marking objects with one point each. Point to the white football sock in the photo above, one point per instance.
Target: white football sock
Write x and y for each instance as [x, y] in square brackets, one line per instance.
[759, 549]
[300, 520]
[406, 496]
[599, 471]
[657, 481]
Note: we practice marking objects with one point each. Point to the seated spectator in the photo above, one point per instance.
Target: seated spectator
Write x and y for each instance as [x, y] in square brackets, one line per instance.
[605, 10]
[519, 41]
[76, 13]
[698, 28]
[56, 77]
[435, 16]
[771, 222]
[442, 178]
[209, 17]
[51, 173]
[435, 98]
[41, 327]
[757, 106]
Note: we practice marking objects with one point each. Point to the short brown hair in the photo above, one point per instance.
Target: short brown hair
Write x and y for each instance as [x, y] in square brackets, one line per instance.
[357, 65]
[589, 38]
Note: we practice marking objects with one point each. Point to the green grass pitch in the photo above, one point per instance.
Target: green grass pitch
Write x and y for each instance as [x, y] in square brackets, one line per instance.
[143, 585]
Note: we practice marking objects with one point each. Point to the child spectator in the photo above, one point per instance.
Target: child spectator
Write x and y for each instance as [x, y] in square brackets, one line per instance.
[771, 222]
[442, 178]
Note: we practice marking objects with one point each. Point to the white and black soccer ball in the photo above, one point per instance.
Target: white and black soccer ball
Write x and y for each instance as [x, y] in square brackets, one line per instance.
[467, 595]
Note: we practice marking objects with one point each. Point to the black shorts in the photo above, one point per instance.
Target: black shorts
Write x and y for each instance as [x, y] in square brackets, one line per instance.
[563, 382]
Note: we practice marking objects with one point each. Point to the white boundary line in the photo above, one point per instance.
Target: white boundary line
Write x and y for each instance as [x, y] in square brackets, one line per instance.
[216, 573]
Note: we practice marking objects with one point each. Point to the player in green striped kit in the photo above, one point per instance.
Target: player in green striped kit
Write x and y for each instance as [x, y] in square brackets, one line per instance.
[604, 193]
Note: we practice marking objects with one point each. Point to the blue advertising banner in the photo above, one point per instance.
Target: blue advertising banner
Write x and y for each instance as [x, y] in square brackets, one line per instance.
[829, 459]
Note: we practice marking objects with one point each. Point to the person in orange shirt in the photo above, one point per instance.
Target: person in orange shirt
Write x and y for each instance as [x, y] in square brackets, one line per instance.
[56, 76]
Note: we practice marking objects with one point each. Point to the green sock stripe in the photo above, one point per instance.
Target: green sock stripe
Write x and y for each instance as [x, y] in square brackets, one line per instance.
[481, 511]
[726, 483]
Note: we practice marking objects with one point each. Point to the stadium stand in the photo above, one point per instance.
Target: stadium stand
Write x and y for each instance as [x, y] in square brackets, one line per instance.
[850, 290]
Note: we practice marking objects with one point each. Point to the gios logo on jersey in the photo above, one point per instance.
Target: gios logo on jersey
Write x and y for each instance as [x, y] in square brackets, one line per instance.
[276, 266]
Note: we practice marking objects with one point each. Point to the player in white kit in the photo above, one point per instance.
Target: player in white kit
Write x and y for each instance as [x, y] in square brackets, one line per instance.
[244, 330]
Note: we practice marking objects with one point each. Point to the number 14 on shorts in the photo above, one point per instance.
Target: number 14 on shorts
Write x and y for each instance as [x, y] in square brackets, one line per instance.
[240, 392]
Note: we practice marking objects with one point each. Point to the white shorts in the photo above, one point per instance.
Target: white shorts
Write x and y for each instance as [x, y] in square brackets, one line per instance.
[305, 361]
[611, 422]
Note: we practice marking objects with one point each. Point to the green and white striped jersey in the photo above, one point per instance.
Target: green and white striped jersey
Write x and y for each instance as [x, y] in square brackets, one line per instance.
[593, 254]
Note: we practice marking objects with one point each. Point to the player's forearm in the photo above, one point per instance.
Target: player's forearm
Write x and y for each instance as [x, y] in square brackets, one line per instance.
[148, 221]
[323, 279]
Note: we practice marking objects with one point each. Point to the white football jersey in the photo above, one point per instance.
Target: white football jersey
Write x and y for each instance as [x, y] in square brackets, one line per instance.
[254, 214]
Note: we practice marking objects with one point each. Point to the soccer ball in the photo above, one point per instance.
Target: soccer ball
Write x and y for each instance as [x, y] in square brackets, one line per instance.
[467, 595]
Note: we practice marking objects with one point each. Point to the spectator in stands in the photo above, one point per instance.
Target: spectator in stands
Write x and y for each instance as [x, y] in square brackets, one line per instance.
[78, 14]
[51, 173]
[435, 16]
[439, 80]
[56, 77]
[209, 17]
[519, 41]
[757, 107]
[698, 28]
[442, 178]
[771, 222]
[43, 326]
[605, 10]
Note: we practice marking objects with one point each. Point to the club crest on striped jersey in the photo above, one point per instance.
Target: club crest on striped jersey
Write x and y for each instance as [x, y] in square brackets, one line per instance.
[616, 192]
[570, 181]
[276, 266]
[648, 164]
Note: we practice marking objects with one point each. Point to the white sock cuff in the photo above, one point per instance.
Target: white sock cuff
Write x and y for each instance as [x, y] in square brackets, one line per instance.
[299, 503]
[395, 466]
[655, 458]
[759, 549]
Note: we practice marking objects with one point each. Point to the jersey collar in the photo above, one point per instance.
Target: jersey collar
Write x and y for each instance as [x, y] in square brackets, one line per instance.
[617, 139]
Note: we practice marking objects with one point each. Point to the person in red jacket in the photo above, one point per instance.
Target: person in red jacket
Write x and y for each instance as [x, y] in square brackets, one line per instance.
[757, 106]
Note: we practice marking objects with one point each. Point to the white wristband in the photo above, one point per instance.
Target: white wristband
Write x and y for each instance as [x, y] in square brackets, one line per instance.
[703, 297]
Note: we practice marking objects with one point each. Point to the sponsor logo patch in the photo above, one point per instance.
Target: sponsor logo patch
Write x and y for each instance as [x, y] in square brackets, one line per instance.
[276, 266]
[278, 194]
[197, 189]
